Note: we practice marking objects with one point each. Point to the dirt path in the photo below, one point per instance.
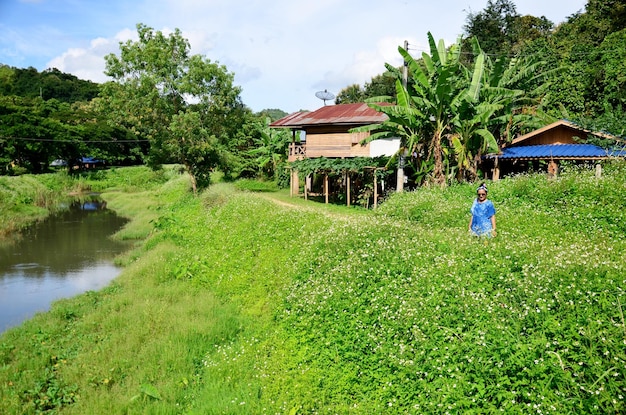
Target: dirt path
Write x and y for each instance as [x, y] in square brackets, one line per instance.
[314, 208]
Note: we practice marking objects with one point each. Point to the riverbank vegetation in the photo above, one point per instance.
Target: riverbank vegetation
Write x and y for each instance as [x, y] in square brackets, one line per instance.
[28, 198]
[244, 303]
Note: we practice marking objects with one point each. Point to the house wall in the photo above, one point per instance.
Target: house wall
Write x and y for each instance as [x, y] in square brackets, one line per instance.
[335, 144]
[558, 135]
[333, 141]
[384, 147]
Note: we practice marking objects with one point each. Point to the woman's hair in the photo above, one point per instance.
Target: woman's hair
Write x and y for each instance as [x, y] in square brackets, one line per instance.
[482, 187]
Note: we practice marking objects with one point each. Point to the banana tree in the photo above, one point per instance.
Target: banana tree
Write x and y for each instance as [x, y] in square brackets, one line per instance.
[405, 121]
[422, 112]
[271, 149]
[518, 84]
[447, 114]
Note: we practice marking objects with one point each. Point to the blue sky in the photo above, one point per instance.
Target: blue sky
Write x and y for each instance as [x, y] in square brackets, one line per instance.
[281, 51]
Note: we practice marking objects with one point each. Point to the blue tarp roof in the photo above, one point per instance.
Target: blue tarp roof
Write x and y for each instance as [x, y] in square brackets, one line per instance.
[90, 160]
[543, 151]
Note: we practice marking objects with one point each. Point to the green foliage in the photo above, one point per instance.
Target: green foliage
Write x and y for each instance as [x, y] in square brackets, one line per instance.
[338, 166]
[49, 84]
[350, 94]
[147, 391]
[34, 132]
[270, 149]
[451, 112]
[255, 185]
[244, 303]
[273, 113]
[49, 393]
[382, 85]
[185, 105]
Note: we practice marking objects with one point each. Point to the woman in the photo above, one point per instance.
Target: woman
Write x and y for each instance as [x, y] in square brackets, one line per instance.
[483, 220]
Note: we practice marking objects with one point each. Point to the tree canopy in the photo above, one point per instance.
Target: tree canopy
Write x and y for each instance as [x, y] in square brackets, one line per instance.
[185, 105]
[166, 105]
[454, 111]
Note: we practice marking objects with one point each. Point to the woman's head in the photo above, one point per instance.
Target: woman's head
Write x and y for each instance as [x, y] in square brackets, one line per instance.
[481, 192]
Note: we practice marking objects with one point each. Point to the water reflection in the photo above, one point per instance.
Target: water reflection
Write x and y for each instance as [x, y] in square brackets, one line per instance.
[67, 254]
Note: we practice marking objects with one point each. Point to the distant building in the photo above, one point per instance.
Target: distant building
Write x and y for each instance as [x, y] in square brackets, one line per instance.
[546, 147]
[326, 133]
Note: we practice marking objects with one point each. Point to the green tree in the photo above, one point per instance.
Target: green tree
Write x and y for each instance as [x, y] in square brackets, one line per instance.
[447, 116]
[381, 85]
[192, 145]
[160, 90]
[350, 95]
[270, 150]
[34, 132]
[494, 26]
[273, 113]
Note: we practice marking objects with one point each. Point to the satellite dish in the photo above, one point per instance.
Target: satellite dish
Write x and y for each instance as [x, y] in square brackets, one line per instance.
[325, 95]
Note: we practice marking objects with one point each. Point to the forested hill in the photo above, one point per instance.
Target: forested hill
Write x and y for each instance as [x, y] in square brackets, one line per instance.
[49, 84]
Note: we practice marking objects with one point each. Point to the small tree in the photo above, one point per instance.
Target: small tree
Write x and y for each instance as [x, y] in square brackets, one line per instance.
[271, 148]
[180, 103]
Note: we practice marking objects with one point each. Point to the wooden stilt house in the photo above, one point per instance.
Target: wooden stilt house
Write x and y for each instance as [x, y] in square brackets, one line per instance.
[325, 132]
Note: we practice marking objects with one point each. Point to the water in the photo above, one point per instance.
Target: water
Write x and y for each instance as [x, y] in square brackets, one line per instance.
[65, 255]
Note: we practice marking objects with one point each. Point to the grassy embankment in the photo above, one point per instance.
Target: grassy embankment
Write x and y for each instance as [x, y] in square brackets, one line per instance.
[26, 199]
[237, 303]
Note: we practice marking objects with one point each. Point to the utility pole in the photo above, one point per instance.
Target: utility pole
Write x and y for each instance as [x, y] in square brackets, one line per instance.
[405, 79]
[405, 67]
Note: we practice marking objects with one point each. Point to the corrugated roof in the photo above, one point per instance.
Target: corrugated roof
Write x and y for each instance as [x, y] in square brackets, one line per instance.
[546, 151]
[288, 120]
[346, 114]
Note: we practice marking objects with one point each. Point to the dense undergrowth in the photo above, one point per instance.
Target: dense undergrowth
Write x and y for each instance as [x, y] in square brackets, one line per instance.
[238, 303]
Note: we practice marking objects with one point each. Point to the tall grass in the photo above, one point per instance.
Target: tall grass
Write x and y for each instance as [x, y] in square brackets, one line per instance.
[28, 198]
[239, 303]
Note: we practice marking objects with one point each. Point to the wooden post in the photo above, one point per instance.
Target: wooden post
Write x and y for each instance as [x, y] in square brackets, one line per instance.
[294, 188]
[375, 190]
[326, 186]
[400, 175]
[553, 169]
[348, 187]
[598, 171]
[496, 170]
[306, 187]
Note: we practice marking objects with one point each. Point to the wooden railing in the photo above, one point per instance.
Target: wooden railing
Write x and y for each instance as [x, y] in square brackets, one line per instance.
[297, 151]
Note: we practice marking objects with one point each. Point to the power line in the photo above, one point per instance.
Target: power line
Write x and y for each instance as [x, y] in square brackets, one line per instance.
[71, 141]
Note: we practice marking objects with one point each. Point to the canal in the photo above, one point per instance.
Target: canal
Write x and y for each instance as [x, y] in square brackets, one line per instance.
[69, 253]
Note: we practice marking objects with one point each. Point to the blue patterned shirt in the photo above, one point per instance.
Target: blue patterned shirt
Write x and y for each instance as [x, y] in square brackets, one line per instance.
[481, 216]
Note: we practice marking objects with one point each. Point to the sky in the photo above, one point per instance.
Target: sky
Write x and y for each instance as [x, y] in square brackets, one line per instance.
[281, 52]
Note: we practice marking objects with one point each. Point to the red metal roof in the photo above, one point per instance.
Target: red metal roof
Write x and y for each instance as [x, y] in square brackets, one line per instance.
[347, 114]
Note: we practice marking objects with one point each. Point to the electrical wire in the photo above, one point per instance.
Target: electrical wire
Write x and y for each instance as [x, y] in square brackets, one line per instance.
[71, 141]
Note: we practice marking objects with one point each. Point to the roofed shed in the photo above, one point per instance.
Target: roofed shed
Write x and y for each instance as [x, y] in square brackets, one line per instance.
[561, 140]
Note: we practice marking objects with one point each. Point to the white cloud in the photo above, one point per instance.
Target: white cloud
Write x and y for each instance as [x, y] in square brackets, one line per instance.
[88, 63]
[281, 52]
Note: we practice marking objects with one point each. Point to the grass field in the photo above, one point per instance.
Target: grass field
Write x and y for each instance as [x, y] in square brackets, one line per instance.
[237, 302]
